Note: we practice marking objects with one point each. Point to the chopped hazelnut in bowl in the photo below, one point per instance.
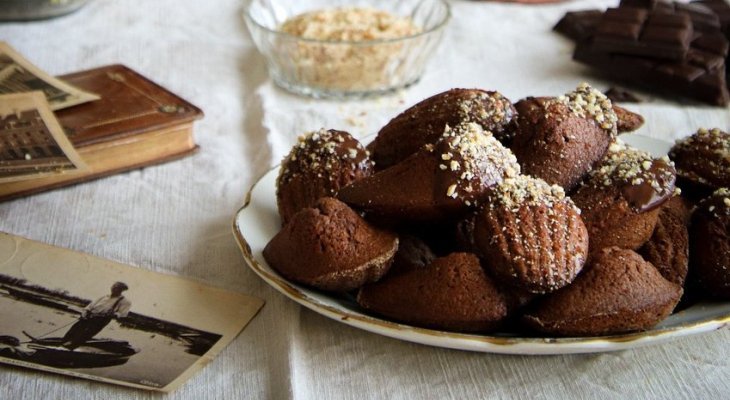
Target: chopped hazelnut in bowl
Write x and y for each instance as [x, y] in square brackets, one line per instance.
[346, 49]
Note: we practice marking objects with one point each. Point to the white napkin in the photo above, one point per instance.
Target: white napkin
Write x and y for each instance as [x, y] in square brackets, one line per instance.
[286, 116]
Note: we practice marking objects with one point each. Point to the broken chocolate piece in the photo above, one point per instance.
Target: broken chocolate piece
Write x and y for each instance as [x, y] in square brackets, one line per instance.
[578, 25]
[671, 47]
[672, 77]
[618, 95]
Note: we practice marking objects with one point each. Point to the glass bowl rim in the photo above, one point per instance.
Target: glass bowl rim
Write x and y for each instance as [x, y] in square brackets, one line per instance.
[439, 26]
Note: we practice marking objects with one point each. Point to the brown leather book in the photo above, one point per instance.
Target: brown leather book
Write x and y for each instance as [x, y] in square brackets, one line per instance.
[136, 123]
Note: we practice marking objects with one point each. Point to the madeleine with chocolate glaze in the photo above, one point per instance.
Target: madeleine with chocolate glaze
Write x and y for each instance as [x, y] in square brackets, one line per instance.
[319, 165]
[668, 247]
[703, 162]
[330, 247]
[440, 182]
[453, 293]
[617, 292]
[424, 123]
[627, 121]
[531, 235]
[560, 139]
[710, 244]
[621, 198]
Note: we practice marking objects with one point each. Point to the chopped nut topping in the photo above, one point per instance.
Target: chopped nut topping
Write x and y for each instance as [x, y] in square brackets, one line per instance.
[627, 164]
[481, 107]
[323, 153]
[331, 55]
[477, 155]
[451, 191]
[710, 137]
[585, 101]
[349, 24]
[526, 190]
[704, 156]
[718, 203]
[645, 182]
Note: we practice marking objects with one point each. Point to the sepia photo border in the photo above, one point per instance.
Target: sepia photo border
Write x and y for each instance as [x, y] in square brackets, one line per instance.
[75, 95]
[175, 299]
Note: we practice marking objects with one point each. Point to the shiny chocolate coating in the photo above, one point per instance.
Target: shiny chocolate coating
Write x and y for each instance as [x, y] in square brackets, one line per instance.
[653, 190]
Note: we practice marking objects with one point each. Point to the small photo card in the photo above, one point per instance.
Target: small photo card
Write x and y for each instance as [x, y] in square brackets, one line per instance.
[18, 75]
[32, 143]
[75, 314]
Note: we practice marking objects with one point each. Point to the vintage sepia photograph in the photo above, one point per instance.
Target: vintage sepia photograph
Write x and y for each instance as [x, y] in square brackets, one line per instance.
[18, 75]
[32, 143]
[73, 313]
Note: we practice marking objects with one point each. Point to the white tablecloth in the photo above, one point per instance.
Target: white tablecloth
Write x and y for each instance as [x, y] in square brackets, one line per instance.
[176, 218]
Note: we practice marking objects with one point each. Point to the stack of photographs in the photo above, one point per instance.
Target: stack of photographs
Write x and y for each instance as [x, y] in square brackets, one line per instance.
[32, 142]
[18, 75]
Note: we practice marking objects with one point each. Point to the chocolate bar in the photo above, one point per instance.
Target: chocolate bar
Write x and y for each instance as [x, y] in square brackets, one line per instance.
[645, 4]
[690, 78]
[579, 25]
[721, 9]
[712, 42]
[635, 31]
[691, 61]
[703, 18]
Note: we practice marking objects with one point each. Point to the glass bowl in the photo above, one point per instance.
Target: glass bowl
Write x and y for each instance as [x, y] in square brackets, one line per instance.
[26, 10]
[345, 69]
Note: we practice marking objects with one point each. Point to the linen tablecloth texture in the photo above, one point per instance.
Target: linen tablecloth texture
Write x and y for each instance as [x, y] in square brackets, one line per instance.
[176, 218]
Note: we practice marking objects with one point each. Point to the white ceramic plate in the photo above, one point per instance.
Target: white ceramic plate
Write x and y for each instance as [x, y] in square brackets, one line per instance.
[258, 221]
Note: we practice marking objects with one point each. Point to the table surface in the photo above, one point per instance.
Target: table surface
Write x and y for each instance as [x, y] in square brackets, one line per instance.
[176, 218]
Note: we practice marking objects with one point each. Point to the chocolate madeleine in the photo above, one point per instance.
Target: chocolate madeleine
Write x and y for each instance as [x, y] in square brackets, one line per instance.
[710, 244]
[531, 235]
[425, 122]
[617, 292]
[668, 247]
[703, 162]
[621, 198]
[627, 121]
[453, 293]
[560, 139]
[442, 181]
[330, 247]
[319, 165]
